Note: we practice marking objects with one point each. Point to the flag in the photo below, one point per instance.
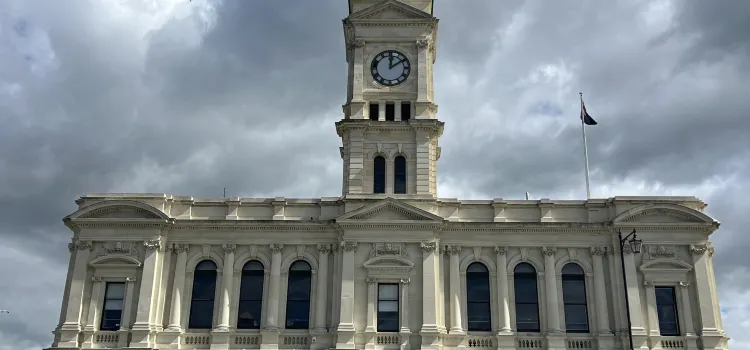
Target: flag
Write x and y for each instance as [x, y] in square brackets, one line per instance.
[585, 117]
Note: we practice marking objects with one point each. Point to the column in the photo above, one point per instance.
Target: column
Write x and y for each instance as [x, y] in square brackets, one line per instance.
[345, 330]
[423, 49]
[72, 316]
[141, 328]
[94, 309]
[455, 289]
[127, 311]
[705, 300]
[651, 315]
[272, 306]
[429, 277]
[553, 311]
[175, 318]
[397, 111]
[600, 291]
[405, 307]
[503, 301]
[226, 286]
[381, 111]
[321, 308]
[372, 301]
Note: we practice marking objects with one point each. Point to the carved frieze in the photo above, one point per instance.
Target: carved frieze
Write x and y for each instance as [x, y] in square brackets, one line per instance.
[393, 249]
[651, 252]
[119, 248]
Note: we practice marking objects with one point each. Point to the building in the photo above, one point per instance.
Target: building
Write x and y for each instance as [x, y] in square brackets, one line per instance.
[388, 264]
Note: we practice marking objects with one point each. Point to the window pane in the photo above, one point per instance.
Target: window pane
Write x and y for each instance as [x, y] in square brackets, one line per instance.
[666, 309]
[251, 287]
[524, 268]
[201, 314]
[204, 285]
[206, 265]
[253, 266]
[388, 306]
[525, 290]
[527, 317]
[572, 269]
[111, 320]
[574, 292]
[299, 286]
[379, 175]
[249, 314]
[477, 287]
[300, 265]
[399, 178]
[387, 324]
[478, 316]
[576, 318]
[388, 292]
[113, 304]
[115, 291]
[297, 314]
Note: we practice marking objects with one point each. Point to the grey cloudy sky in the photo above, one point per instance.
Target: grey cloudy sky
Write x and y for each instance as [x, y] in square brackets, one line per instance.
[188, 97]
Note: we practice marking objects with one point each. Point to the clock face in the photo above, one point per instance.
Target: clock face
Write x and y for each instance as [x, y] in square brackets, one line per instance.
[390, 68]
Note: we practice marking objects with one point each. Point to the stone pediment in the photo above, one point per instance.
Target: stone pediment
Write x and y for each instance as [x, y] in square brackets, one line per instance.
[118, 209]
[390, 9]
[663, 214]
[389, 210]
[665, 270]
[110, 261]
[388, 266]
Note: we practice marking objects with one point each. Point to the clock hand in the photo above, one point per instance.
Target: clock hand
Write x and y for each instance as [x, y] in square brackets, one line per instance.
[390, 60]
[390, 66]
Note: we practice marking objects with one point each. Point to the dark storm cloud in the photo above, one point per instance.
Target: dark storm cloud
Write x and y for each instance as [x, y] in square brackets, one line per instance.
[94, 99]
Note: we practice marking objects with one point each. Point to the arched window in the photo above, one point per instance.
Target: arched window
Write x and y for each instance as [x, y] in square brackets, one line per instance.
[399, 175]
[251, 296]
[574, 299]
[478, 307]
[527, 298]
[204, 290]
[378, 185]
[298, 296]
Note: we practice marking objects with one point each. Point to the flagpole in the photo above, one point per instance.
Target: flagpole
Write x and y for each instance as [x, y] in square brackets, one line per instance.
[585, 150]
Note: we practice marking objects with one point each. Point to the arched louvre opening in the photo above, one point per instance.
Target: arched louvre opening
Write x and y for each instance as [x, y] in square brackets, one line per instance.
[378, 185]
[202, 299]
[527, 298]
[574, 299]
[298, 296]
[399, 175]
[251, 296]
[478, 306]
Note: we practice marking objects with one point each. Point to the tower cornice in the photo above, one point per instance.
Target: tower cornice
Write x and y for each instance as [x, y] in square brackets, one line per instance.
[434, 126]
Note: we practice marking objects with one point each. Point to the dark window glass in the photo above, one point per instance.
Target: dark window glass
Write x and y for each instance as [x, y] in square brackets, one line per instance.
[405, 110]
[574, 299]
[527, 298]
[478, 297]
[298, 296]
[666, 309]
[374, 110]
[204, 290]
[387, 308]
[114, 296]
[390, 112]
[399, 172]
[251, 296]
[379, 175]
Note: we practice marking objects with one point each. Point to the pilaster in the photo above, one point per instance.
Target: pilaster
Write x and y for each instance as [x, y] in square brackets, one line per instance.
[142, 332]
[429, 330]
[455, 290]
[555, 336]
[604, 336]
[72, 326]
[345, 330]
[321, 305]
[270, 335]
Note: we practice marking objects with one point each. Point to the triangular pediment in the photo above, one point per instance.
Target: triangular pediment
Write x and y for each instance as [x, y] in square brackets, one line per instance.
[663, 214]
[389, 210]
[390, 9]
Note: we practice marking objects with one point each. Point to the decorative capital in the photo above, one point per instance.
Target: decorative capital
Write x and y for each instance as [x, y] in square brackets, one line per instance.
[277, 248]
[152, 244]
[80, 245]
[96, 279]
[499, 250]
[699, 249]
[549, 251]
[627, 249]
[356, 43]
[181, 248]
[423, 44]
[130, 279]
[428, 246]
[684, 284]
[348, 246]
[598, 251]
[324, 248]
[405, 280]
[453, 249]
[371, 280]
[229, 247]
[648, 284]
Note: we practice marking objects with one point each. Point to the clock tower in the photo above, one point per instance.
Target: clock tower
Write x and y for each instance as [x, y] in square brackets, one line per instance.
[390, 131]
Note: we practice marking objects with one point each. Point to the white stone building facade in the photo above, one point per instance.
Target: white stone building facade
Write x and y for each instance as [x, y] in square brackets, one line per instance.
[389, 264]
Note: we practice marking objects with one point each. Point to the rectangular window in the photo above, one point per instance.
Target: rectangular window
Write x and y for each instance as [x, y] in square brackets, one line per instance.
[405, 110]
[666, 309]
[374, 110]
[114, 296]
[390, 111]
[387, 308]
